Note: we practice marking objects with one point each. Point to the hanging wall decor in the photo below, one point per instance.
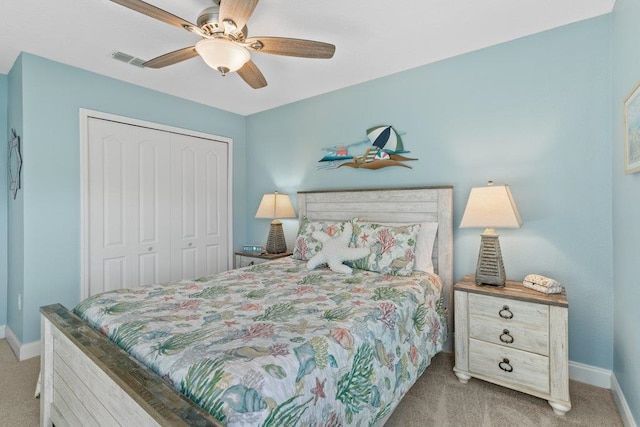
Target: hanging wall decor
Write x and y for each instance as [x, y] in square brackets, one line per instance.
[383, 147]
[632, 131]
[14, 163]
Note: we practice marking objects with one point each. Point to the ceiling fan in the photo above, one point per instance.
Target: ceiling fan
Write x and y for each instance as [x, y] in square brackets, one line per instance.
[225, 45]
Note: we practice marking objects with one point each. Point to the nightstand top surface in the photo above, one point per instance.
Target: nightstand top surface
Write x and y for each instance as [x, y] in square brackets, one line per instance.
[263, 255]
[513, 290]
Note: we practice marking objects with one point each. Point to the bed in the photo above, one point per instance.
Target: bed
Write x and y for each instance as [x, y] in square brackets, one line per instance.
[274, 346]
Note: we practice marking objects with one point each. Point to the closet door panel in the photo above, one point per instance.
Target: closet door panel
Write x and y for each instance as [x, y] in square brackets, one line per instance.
[212, 261]
[114, 271]
[213, 215]
[199, 175]
[148, 269]
[129, 206]
[113, 197]
[215, 211]
[150, 209]
[187, 197]
[189, 264]
[107, 205]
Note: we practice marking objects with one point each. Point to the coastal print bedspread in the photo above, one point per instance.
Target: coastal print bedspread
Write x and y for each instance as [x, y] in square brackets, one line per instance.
[278, 345]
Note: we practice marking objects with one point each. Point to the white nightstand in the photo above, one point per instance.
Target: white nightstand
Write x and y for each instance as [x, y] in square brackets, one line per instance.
[245, 259]
[514, 337]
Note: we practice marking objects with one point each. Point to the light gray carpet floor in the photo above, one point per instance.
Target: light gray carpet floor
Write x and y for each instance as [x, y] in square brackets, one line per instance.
[18, 380]
[437, 399]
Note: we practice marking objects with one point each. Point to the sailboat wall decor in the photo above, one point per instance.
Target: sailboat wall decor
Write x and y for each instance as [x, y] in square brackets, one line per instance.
[384, 148]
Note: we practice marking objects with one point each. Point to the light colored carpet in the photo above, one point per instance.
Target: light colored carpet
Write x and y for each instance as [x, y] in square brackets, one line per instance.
[18, 380]
[437, 399]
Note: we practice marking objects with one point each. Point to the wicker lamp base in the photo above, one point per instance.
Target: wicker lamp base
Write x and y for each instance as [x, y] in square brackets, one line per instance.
[276, 244]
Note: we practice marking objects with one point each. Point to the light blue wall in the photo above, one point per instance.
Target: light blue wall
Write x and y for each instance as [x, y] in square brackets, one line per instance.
[626, 210]
[15, 219]
[4, 135]
[53, 93]
[533, 113]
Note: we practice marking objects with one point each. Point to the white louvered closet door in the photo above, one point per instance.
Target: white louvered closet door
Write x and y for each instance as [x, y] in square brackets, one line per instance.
[153, 202]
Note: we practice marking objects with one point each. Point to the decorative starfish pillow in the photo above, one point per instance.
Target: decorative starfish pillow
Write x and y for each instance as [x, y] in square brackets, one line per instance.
[335, 250]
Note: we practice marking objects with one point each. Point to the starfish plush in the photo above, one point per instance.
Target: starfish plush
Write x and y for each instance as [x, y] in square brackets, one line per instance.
[335, 250]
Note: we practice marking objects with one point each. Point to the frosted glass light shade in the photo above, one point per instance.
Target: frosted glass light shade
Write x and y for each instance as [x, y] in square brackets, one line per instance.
[275, 206]
[491, 207]
[222, 55]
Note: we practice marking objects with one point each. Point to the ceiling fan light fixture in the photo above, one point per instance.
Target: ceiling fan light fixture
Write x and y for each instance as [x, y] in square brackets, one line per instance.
[222, 55]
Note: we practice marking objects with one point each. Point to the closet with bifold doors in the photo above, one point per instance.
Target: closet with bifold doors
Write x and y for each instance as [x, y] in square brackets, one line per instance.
[156, 205]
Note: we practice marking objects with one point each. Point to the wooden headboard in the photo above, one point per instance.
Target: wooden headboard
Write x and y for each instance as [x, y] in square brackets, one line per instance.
[414, 204]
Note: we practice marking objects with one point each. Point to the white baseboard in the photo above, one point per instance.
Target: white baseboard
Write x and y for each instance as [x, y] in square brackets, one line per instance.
[621, 403]
[22, 351]
[2, 331]
[13, 341]
[32, 349]
[606, 379]
[590, 374]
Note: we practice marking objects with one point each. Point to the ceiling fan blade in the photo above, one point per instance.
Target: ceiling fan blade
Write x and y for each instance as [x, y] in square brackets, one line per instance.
[238, 11]
[252, 75]
[157, 13]
[172, 57]
[291, 47]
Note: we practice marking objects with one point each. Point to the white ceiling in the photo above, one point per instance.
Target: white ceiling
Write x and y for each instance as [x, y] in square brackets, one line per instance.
[373, 38]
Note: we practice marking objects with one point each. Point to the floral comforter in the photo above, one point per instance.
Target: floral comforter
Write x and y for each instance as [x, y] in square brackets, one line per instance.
[278, 345]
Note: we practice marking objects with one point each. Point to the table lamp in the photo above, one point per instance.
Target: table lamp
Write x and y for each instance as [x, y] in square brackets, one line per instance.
[489, 207]
[275, 206]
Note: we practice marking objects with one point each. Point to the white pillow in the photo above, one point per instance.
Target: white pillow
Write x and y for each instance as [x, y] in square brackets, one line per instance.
[424, 244]
[424, 247]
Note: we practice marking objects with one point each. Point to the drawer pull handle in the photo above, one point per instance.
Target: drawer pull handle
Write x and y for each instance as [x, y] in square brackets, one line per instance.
[505, 366]
[505, 337]
[505, 313]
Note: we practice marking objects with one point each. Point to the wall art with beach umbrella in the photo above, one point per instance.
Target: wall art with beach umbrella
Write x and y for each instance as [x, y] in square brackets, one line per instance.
[382, 148]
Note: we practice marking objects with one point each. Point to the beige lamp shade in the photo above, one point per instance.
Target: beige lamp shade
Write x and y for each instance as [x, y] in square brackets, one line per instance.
[491, 207]
[275, 206]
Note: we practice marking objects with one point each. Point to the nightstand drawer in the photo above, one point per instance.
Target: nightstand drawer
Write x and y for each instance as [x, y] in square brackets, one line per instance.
[515, 368]
[245, 261]
[508, 322]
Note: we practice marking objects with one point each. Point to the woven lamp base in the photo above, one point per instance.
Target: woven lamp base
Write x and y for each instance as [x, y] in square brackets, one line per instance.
[276, 243]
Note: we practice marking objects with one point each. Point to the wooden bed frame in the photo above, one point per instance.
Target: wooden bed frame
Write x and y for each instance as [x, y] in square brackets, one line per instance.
[88, 380]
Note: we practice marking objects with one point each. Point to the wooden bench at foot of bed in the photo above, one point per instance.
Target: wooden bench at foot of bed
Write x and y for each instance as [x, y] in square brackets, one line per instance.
[93, 382]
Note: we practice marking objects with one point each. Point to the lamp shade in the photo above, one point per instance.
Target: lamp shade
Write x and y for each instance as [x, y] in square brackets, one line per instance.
[491, 207]
[275, 206]
[222, 55]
